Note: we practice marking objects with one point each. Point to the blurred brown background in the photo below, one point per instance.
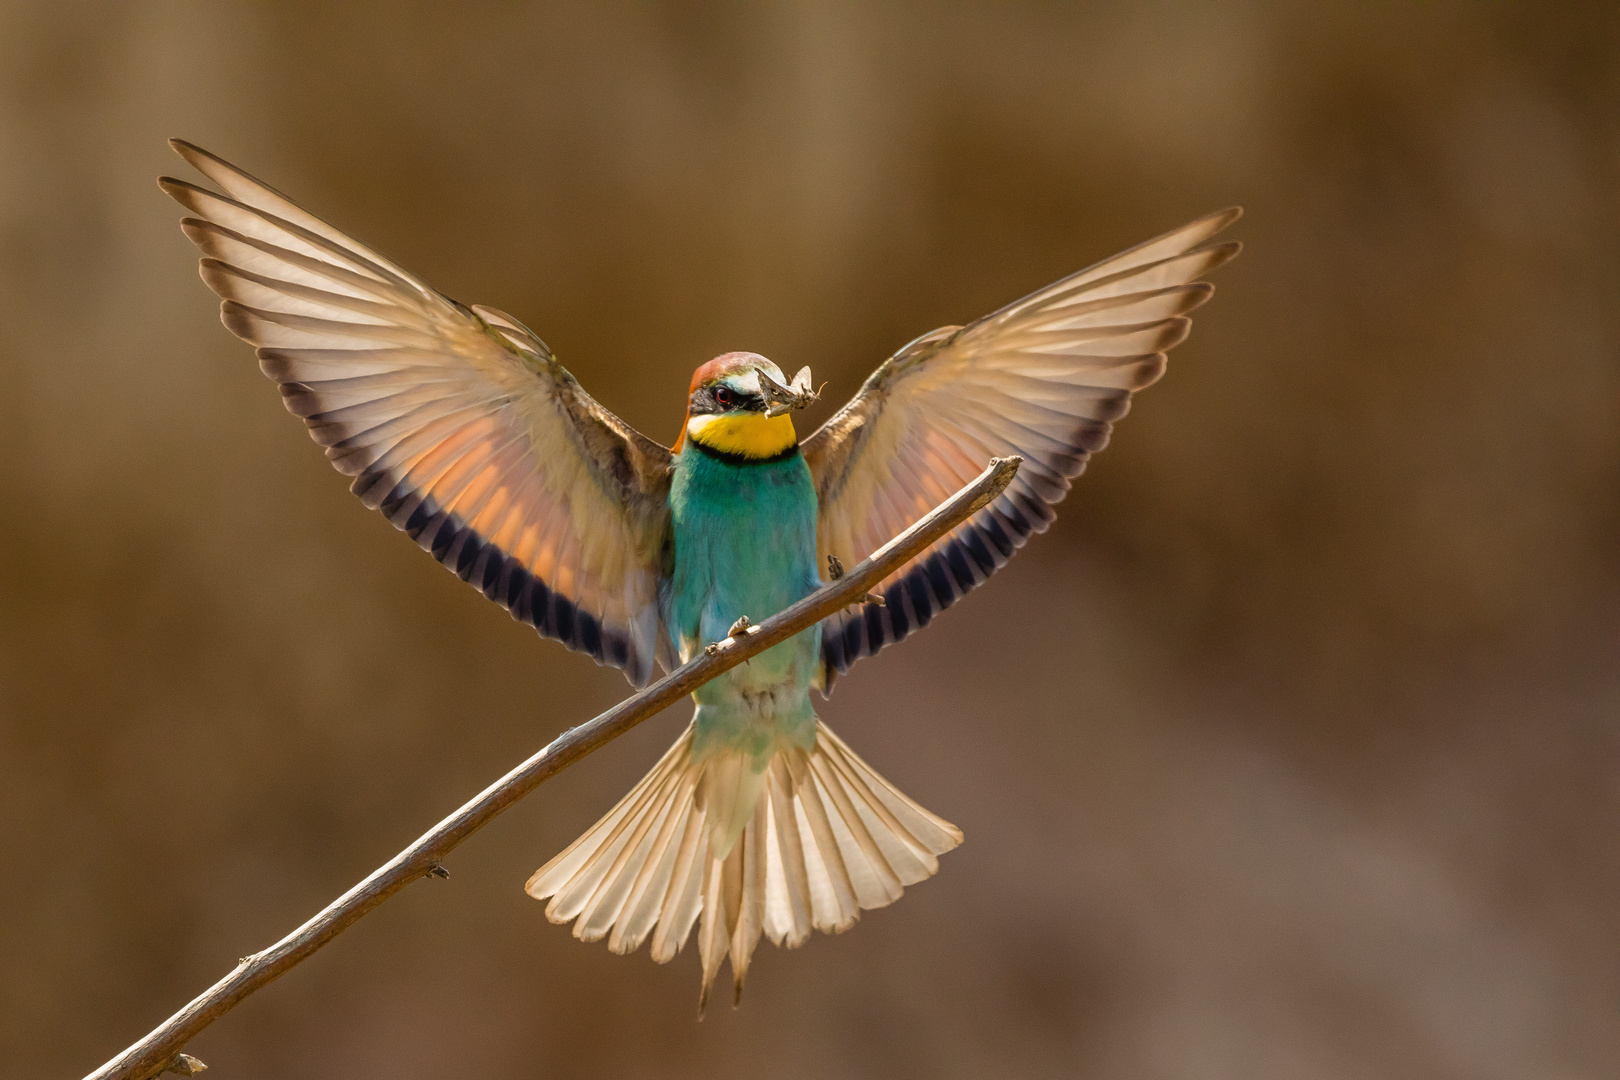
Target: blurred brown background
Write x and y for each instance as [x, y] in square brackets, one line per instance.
[1292, 751]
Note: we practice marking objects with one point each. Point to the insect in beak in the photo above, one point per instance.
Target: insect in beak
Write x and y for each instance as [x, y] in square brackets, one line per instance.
[796, 395]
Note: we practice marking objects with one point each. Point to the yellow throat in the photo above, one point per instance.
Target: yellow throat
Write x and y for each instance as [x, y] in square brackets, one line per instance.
[749, 435]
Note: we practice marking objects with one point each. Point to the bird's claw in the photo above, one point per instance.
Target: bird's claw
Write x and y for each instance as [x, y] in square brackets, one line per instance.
[739, 629]
[835, 570]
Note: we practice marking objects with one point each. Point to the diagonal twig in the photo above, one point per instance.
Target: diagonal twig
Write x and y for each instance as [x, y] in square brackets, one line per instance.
[160, 1049]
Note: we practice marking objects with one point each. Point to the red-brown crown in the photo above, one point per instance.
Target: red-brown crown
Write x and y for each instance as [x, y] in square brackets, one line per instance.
[723, 365]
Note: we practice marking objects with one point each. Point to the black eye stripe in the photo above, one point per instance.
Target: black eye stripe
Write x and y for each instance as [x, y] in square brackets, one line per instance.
[722, 398]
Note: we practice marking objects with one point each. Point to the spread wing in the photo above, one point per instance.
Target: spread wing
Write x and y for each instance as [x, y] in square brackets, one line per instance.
[1044, 378]
[457, 423]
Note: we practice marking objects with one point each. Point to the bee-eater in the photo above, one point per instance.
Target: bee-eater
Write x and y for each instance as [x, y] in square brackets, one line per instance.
[459, 424]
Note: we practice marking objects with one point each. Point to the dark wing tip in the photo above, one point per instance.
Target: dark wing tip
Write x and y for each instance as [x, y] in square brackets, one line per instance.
[195, 228]
[1198, 294]
[186, 193]
[191, 152]
[218, 169]
[1216, 221]
[1221, 254]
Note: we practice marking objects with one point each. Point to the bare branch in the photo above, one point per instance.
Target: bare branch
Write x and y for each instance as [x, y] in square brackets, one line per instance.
[160, 1050]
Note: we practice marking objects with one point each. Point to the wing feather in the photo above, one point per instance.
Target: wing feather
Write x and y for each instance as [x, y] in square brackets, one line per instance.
[456, 423]
[1045, 377]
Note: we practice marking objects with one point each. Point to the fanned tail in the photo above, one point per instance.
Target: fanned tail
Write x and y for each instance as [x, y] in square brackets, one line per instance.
[827, 838]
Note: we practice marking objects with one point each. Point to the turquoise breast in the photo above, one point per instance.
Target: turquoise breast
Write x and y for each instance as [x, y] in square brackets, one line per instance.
[744, 544]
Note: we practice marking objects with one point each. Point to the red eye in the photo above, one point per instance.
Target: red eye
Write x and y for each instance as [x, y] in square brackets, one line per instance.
[725, 397]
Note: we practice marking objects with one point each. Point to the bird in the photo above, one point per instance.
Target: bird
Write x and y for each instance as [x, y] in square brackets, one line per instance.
[458, 423]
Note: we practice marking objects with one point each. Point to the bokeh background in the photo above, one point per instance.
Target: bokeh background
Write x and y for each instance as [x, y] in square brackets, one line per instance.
[1293, 750]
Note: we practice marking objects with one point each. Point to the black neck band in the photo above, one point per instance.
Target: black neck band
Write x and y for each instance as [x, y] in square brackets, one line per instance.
[743, 459]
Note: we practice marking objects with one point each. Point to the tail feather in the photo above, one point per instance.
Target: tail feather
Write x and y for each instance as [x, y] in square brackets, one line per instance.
[911, 838]
[876, 884]
[832, 889]
[822, 837]
[750, 921]
[572, 877]
[582, 871]
[601, 912]
[681, 905]
[713, 934]
[788, 902]
[646, 900]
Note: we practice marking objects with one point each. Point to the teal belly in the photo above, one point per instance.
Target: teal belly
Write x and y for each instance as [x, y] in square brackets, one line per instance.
[744, 544]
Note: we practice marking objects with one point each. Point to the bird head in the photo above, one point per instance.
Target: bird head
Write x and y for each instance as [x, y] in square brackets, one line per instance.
[739, 403]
